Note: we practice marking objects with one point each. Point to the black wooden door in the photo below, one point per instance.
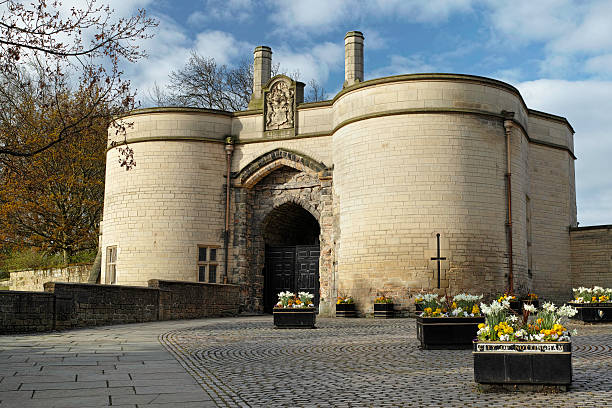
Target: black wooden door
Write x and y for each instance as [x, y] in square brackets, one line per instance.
[291, 268]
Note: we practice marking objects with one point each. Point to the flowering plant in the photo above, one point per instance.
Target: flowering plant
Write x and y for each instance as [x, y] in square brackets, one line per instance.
[531, 297]
[506, 296]
[383, 299]
[596, 294]
[344, 299]
[290, 300]
[461, 305]
[546, 324]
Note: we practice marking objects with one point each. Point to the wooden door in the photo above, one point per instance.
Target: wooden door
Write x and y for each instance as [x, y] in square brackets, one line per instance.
[290, 268]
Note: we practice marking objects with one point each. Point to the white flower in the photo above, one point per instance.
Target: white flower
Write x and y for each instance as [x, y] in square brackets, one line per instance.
[549, 307]
[457, 311]
[529, 307]
[512, 318]
[567, 311]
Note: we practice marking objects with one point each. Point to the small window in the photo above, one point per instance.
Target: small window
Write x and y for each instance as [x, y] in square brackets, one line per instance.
[207, 264]
[111, 264]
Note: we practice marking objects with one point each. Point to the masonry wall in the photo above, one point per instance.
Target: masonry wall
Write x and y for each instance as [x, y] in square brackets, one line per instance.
[26, 311]
[553, 208]
[158, 213]
[70, 305]
[187, 300]
[591, 255]
[35, 279]
[400, 180]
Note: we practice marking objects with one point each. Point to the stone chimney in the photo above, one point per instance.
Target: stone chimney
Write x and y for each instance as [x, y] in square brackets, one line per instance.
[353, 58]
[262, 71]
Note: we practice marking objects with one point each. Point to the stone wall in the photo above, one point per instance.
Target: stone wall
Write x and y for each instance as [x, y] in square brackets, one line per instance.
[35, 279]
[26, 311]
[591, 256]
[70, 305]
[173, 201]
[192, 300]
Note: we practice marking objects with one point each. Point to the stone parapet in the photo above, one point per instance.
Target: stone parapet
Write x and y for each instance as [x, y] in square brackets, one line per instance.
[71, 305]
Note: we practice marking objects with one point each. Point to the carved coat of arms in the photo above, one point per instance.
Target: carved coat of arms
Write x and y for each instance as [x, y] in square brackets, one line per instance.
[279, 106]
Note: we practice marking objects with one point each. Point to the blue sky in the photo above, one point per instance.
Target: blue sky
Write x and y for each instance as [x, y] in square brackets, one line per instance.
[558, 53]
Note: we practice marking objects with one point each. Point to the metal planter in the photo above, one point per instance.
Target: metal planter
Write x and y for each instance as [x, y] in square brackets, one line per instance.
[383, 310]
[345, 310]
[593, 312]
[298, 318]
[512, 363]
[447, 332]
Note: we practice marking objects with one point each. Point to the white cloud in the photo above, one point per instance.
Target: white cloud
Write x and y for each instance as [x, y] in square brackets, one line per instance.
[319, 15]
[399, 65]
[227, 10]
[601, 64]
[419, 10]
[586, 104]
[221, 46]
[299, 18]
[315, 63]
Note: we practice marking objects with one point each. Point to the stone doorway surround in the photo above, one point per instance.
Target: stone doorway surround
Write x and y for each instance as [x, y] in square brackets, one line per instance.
[272, 180]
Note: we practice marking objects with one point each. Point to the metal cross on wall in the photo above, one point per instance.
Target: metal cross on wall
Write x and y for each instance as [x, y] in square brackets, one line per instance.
[438, 258]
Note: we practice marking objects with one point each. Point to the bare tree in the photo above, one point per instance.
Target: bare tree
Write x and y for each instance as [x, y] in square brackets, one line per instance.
[204, 83]
[39, 44]
[315, 93]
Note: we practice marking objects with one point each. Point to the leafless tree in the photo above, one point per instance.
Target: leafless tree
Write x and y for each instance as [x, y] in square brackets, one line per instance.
[39, 43]
[204, 83]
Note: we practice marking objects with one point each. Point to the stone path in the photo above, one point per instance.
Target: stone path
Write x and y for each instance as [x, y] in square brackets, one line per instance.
[244, 362]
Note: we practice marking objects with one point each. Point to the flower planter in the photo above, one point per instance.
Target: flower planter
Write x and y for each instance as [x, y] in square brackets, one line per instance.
[593, 312]
[515, 363]
[294, 318]
[517, 305]
[345, 310]
[447, 332]
[383, 310]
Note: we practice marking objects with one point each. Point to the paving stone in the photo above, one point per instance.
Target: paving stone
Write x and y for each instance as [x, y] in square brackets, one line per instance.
[239, 362]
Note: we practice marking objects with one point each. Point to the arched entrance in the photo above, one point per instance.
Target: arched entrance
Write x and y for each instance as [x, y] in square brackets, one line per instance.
[291, 236]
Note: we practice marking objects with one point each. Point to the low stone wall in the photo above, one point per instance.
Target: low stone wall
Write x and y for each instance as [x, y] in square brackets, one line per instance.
[192, 300]
[26, 311]
[591, 256]
[70, 305]
[34, 280]
[99, 305]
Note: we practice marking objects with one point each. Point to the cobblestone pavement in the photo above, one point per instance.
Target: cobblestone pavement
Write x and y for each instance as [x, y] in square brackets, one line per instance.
[245, 362]
[364, 362]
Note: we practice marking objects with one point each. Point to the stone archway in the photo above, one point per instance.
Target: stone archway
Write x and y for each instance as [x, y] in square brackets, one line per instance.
[292, 251]
[279, 186]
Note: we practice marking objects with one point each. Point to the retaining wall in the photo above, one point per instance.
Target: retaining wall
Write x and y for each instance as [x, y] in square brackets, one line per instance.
[71, 305]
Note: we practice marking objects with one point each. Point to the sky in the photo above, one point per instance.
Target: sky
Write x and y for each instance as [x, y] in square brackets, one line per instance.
[558, 53]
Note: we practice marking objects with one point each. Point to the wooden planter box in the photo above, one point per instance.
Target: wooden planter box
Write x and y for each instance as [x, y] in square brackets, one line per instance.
[447, 332]
[517, 305]
[383, 310]
[298, 318]
[593, 312]
[510, 363]
[345, 310]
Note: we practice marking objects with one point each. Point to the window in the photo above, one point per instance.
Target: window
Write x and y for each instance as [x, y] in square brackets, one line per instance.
[111, 264]
[207, 264]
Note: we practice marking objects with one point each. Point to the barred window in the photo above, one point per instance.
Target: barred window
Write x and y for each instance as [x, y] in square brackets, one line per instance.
[207, 264]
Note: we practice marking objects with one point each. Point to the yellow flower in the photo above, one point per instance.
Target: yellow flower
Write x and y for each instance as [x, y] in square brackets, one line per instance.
[481, 325]
[475, 309]
[427, 310]
[454, 305]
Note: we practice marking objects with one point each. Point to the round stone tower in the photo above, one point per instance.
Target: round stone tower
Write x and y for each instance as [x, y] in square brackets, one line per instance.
[166, 216]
